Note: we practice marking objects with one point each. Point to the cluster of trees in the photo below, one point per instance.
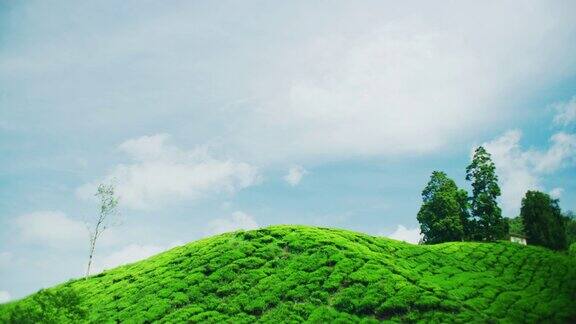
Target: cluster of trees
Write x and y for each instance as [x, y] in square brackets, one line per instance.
[448, 213]
[542, 222]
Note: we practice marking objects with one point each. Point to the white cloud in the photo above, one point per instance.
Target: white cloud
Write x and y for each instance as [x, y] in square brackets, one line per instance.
[380, 78]
[406, 85]
[149, 147]
[521, 170]
[295, 175]
[163, 173]
[4, 296]
[561, 152]
[565, 112]
[238, 220]
[556, 193]
[410, 235]
[128, 254]
[51, 228]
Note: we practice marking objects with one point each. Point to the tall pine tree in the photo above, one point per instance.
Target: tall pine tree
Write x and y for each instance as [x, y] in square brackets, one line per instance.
[487, 223]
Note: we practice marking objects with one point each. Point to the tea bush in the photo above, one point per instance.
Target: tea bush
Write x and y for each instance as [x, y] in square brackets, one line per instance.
[319, 275]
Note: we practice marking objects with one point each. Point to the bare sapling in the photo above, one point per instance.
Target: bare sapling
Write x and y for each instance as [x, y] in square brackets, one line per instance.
[106, 217]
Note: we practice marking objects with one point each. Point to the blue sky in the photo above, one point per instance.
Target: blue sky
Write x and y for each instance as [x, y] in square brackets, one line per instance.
[217, 116]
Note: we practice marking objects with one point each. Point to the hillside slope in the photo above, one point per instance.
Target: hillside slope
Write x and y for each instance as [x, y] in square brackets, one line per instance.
[298, 273]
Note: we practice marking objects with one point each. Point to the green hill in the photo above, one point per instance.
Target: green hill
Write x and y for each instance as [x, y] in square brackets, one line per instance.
[299, 273]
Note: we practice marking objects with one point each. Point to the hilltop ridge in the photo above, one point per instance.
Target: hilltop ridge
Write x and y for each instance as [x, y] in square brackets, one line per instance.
[301, 273]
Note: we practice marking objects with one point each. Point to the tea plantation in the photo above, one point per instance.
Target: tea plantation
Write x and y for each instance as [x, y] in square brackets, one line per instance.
[319, 275]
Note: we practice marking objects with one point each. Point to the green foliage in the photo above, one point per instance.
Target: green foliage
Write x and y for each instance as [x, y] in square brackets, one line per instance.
[570, 223]
[443, 216]
[299, 273]
[572, 250]
[543, 221]
[516, 226]
[46, 306]
[488, 223]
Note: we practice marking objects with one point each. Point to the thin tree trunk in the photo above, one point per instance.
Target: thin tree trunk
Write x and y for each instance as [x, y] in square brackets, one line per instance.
[93, 239]
[108, 205]
[92, 247]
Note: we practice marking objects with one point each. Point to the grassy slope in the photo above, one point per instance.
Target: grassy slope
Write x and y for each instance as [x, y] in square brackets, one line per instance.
[297, 273]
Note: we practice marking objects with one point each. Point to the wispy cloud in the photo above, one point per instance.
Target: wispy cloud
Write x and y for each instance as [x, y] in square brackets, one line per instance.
[4, 296]
[162, 173]
[128, 254]
[521, 170]
[410, 235]
[565, 112]
[556, 193]
[376, 82]
[238, 220]
[51, 228]
[294, 175]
